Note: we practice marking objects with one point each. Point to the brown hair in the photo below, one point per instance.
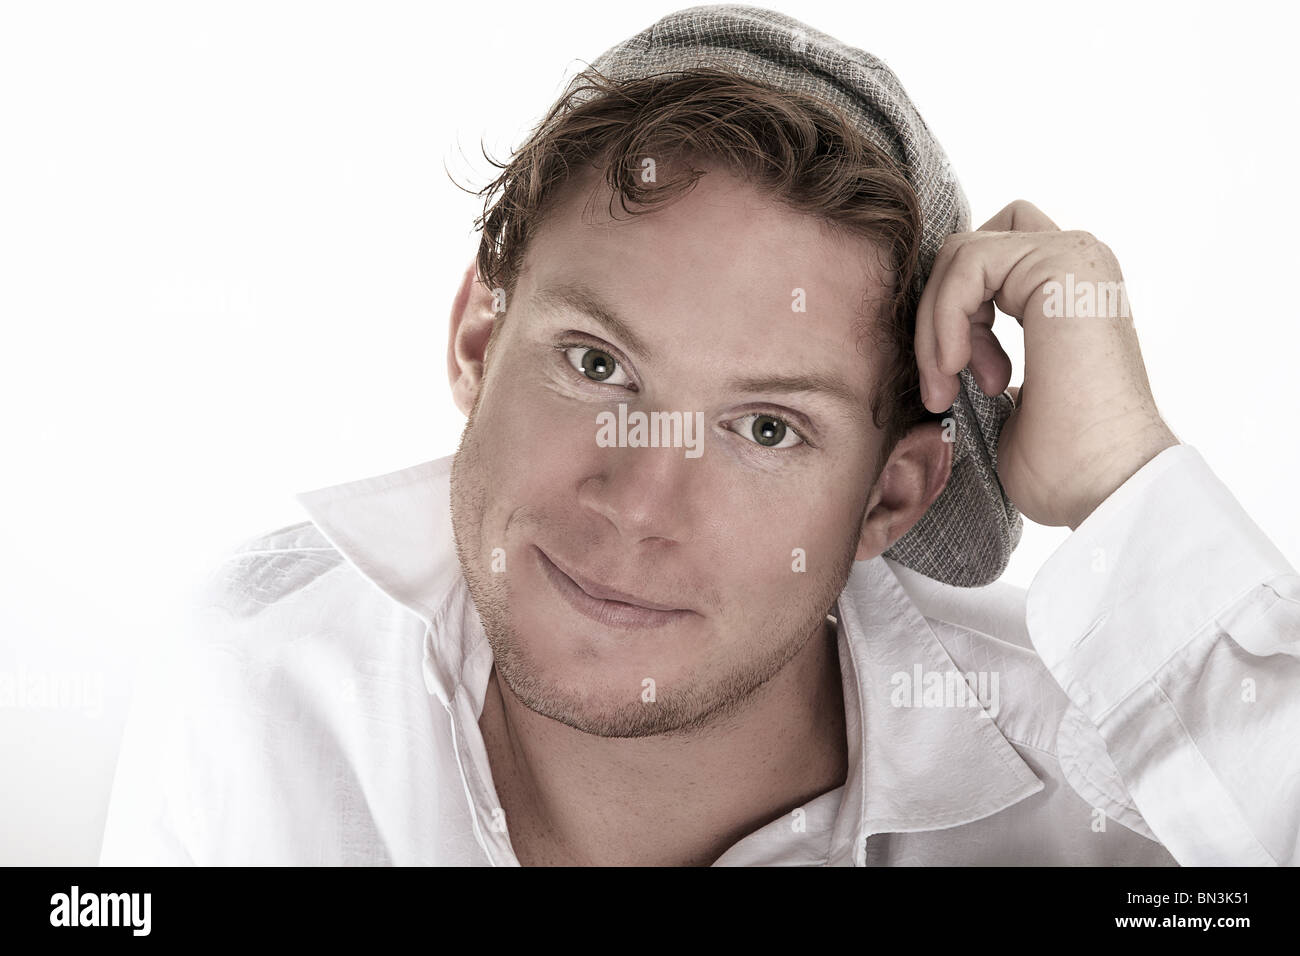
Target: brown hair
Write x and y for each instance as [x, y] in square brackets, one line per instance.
[796, 148]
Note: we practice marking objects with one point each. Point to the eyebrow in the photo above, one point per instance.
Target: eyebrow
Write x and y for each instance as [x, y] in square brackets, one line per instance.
[581, 298]
[791, 384]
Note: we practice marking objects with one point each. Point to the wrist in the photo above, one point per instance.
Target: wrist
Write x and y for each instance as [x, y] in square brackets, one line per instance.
[1126, 461]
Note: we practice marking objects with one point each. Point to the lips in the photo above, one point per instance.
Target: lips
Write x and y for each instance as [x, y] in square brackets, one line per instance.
[604, 605]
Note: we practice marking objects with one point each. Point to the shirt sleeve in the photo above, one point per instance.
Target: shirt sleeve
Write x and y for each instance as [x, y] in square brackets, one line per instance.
[143, 826]
[1173, 623]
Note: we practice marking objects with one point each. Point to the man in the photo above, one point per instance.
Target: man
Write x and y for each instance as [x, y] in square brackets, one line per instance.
[699, 585]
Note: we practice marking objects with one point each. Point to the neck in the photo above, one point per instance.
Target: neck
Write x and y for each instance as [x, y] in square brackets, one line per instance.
[571, 798]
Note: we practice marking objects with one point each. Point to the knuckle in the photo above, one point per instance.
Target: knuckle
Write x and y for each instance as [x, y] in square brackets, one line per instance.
[965, 256]
[947, 250]
[952, 241]
[1086, 243]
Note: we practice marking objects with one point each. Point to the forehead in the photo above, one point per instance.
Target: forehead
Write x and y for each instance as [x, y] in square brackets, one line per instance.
[724, 263]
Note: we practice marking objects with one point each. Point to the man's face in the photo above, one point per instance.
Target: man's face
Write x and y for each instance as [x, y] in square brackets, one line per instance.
[745, 533]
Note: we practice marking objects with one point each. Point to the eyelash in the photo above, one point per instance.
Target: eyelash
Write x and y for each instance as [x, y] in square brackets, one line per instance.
[563, 347]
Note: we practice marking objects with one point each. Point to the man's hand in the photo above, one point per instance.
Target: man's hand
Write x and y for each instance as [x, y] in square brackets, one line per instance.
[1085, 419]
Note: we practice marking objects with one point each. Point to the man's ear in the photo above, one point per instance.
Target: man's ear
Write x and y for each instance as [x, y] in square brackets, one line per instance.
[472, 321]
[915, 473]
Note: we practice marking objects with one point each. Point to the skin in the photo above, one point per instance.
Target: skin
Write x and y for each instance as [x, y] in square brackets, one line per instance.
[747, 720]
[747, 717]
[1085, 418]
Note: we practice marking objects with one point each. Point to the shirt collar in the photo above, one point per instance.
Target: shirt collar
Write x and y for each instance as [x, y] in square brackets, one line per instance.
[910, 768]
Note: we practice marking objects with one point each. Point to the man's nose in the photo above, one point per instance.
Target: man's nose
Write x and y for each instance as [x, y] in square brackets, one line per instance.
[645, 492]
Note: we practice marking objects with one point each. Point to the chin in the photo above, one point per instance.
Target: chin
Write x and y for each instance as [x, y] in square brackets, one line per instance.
[620, 708]
[582, 661]
[598, 682]
[611, 686]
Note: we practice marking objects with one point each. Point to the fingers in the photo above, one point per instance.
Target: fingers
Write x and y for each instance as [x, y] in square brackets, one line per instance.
[955, 315]
[962, 295]
[926, 356]
[926, 339]
[1020, 216]
[989, 362]
[956, 291]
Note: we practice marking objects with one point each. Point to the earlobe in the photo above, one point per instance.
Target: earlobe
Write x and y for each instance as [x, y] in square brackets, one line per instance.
[469, 330]
[916, 472]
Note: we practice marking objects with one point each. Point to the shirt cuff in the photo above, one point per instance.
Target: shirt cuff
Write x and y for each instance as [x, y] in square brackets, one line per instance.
[1149, 569]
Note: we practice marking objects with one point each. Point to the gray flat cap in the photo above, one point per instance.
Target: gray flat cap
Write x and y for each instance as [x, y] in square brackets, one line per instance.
[967, 536]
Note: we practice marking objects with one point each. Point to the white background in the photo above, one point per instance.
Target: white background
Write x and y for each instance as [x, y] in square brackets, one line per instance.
[229, 244]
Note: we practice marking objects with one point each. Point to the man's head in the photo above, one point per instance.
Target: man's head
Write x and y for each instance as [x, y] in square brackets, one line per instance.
[761, 283]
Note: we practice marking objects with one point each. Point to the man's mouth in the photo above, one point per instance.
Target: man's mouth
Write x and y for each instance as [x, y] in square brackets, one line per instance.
[606, 606]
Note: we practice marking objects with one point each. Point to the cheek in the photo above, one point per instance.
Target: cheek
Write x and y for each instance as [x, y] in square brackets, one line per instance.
[532, 426]
[782, 548]
[533, 442]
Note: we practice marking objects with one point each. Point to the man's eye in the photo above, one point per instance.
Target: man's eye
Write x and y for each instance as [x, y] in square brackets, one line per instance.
[596, 365]
[768, 431]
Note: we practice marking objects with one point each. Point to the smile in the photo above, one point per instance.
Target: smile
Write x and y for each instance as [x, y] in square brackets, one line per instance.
[604, 609]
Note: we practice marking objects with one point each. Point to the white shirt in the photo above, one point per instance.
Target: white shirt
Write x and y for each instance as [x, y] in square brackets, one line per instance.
[1140, 702]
